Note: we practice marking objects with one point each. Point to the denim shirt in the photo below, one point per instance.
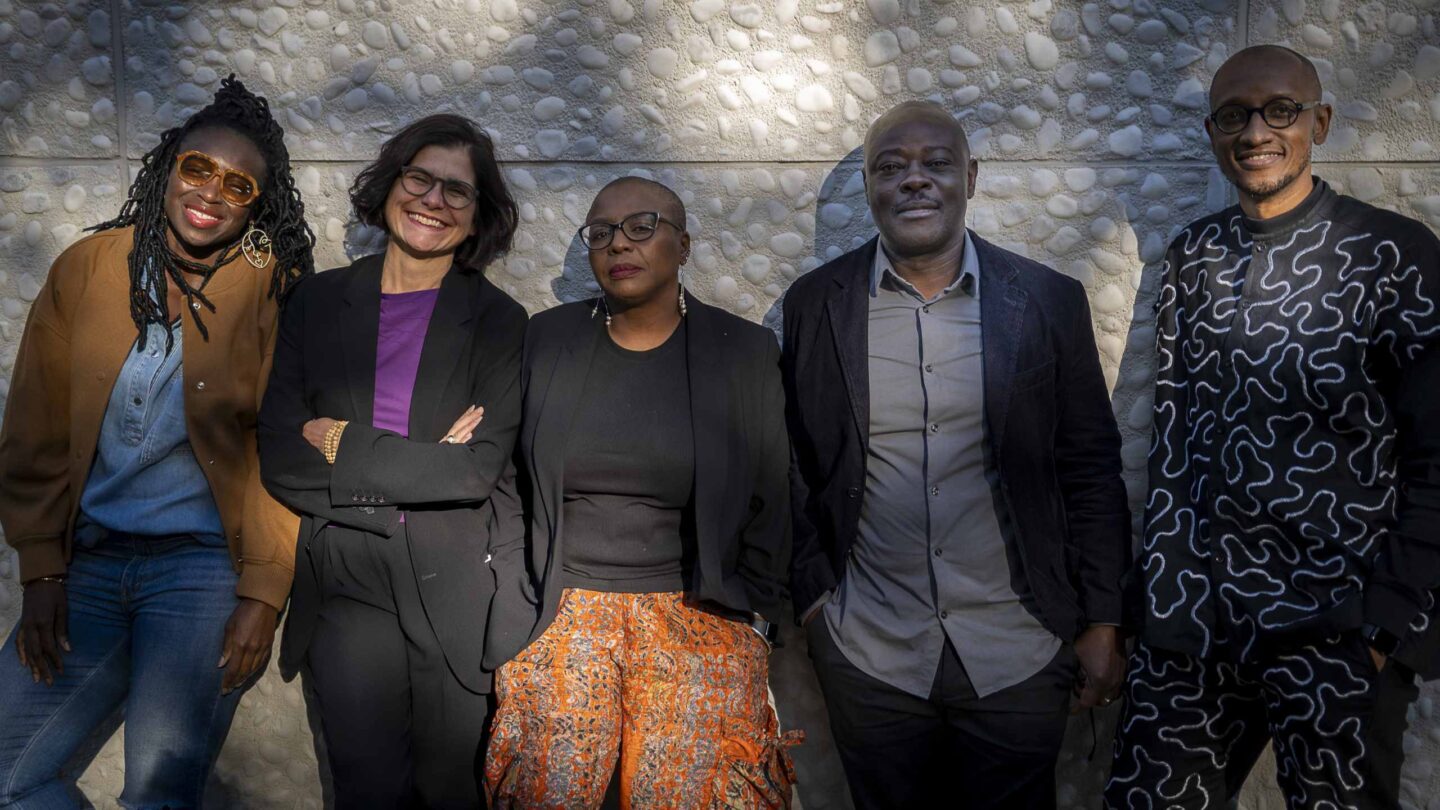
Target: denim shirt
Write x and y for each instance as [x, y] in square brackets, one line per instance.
[145, 479]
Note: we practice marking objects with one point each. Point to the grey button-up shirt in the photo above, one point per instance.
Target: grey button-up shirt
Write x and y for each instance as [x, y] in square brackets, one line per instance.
[930, 561]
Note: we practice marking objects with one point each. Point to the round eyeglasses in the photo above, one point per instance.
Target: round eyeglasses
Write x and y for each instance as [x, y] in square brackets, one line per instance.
[637, 227]
[1277, 113]
[196, 168]
[458, 194]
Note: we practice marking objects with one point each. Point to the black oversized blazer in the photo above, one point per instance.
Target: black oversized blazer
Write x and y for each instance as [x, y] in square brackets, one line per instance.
[742, 514]
[1048, 425]
[324, 366]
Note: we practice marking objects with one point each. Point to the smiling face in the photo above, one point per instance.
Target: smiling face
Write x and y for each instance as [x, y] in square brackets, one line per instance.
[918, 177]
[425, 226]
[201, 220]
[1269, 167]
[634, 273]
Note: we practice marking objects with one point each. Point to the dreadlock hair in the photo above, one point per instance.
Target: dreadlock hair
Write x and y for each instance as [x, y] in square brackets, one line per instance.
[278, 211]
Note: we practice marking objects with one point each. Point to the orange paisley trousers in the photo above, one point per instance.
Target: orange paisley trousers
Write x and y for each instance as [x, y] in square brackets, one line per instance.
[679, 695]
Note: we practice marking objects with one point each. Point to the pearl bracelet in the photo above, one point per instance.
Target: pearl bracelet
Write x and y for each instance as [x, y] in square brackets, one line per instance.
[331, 445]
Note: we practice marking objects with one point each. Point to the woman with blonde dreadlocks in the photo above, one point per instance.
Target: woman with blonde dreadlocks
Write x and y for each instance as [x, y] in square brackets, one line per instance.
[129, 482]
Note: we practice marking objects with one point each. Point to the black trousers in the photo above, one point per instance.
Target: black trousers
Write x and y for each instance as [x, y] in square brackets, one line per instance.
[1193, 727]
[399, 729]
[952, 749]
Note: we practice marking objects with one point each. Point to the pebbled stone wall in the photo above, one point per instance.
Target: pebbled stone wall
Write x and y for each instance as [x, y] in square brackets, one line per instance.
[1086, 117]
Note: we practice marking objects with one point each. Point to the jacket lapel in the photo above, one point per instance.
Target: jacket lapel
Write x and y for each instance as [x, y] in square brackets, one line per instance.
[360, 331]
[848, 306]
[1002, 318]
[443, 353]
[558, 393]
[711, 392]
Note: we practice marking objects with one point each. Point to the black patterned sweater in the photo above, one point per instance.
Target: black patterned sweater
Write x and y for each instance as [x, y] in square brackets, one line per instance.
[1295, 462]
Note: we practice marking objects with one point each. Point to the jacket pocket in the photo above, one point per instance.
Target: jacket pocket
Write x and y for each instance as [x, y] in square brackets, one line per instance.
[1034, 376]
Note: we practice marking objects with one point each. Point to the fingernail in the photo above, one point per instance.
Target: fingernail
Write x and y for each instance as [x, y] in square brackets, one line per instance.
[65, 642]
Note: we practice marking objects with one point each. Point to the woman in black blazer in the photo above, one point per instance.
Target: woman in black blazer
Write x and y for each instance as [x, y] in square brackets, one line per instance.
[652, 473]
[392, 410]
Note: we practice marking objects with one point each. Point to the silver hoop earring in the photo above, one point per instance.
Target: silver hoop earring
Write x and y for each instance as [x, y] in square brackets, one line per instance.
[255, 244]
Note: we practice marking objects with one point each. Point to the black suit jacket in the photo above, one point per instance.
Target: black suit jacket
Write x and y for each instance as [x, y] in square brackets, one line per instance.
[325, 366]
[1048, 423]
[742, 514]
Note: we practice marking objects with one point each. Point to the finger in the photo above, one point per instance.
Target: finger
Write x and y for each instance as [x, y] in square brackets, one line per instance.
[48, 660]
[62, 623]
[233, 676]
[20, 647]
[1089, 697]
[227, 645]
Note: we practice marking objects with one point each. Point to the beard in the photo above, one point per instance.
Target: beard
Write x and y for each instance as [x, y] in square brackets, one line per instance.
[1265, 189]
[1258, 189]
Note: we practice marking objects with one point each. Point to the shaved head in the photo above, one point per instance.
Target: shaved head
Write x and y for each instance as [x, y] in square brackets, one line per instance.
[907, 112]
[667, 203]
[1255, 64]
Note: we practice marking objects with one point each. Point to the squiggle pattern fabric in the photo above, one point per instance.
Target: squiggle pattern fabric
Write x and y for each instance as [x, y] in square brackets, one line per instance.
[1273, 461]
[1194, 727]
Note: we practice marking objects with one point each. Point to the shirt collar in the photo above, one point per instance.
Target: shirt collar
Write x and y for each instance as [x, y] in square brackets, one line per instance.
[967, 281]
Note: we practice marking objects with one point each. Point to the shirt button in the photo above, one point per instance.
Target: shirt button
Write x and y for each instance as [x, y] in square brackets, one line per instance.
[929, 368]
[934, 492]
[934, 428]
[944, 614]
[925, 310]
[200, 386]
[138, 401]
[939, 552]
[852, 492]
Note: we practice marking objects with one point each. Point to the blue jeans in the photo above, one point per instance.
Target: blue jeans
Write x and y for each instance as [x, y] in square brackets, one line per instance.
[147, 620]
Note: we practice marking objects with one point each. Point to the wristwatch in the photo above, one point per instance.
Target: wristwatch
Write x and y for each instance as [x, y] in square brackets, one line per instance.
[1384, 641]
[769, 631]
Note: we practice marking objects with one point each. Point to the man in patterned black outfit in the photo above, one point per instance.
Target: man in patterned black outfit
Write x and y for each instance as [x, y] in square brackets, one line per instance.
[1292, 533]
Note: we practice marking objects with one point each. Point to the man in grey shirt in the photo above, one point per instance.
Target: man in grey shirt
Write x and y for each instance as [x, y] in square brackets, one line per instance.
[960, 521]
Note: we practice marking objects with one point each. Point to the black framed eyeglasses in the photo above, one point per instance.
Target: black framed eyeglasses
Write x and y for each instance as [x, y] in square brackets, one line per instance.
[1277, 113]
[637, 227]
[417, 181]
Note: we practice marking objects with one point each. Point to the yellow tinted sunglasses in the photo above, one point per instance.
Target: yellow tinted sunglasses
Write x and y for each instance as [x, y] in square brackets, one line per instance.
[197, 169]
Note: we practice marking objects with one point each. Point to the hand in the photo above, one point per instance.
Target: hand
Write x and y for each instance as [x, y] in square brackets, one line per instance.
[44, 630]
[249, 636]
[1379, 658]
[1102, 667]
[464, 428]
[314, 431]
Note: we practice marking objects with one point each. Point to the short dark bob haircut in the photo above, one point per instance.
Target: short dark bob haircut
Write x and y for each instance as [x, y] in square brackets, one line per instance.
[495, 212]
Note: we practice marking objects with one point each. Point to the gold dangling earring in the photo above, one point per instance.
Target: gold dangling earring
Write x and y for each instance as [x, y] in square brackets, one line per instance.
[256, 247]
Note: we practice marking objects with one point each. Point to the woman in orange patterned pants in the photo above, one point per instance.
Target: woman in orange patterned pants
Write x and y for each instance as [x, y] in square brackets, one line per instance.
[679, 691]
[652, 486]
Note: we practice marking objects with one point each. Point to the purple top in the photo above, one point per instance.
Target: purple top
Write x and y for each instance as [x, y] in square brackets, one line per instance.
[404, 319]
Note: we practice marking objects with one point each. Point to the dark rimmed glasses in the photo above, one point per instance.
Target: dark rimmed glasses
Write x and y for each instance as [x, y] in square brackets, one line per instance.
[637, 227]
[457, 193]
[196, 168]
[1277, 113]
